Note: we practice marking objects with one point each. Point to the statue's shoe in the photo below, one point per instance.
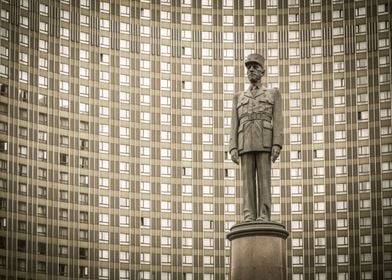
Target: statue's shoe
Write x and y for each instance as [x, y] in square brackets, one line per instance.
[262, 218]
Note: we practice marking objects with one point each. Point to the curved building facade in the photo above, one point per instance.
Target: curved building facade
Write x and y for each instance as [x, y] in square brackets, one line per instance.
[114, 127]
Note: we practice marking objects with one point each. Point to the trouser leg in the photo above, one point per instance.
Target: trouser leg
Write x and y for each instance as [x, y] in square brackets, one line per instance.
[263, 165]
[248, 172]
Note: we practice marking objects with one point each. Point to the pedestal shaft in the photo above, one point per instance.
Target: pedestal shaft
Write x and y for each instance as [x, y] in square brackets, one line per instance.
[258, 251]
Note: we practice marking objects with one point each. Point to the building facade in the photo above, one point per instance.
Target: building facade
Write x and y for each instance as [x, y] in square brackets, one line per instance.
[114, 128]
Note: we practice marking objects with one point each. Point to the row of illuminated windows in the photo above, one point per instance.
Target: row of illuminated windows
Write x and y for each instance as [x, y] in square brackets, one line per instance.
[341, 223]
[208, 225]
[340, 101]
[124, 167]
[207, 138]
[165, 33]
[166, 50]
[186, 18]
[207, 156]
[145, 169]
[187, 172]
[340, 188]
[338, 66]
[247, 4]
[187, 225]
[319, 189]
[145, 205]
[124, 274]
[145, 134]
[206, 69]
[165, 84]
[123, 150]
[316, 51]
[229, 37]
[208, 243]
[125, 9]
[365, 275]
[318, 154]
[320, 207]
[165, 259]
[341, 241]
[206, 19]
[124, 220]
[123, 132]
[340, 170]
[206, 104]
[206, 121]
[187, 190]
[320, 260]
[340, 135]
[338, 117]
[124, 185]
[187, 69]
[208, 208]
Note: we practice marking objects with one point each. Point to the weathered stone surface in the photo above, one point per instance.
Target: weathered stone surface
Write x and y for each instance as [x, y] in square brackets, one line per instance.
[258, 251]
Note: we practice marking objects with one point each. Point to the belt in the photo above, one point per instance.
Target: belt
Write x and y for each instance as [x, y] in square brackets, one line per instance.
[255, 116]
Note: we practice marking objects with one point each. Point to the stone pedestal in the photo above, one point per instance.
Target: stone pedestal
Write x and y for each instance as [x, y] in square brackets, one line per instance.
[258, 251]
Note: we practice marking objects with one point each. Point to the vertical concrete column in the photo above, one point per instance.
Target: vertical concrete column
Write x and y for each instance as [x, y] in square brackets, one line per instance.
[258, 251]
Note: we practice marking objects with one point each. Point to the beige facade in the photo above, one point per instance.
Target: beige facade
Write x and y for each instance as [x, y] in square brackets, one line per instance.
[114, 130]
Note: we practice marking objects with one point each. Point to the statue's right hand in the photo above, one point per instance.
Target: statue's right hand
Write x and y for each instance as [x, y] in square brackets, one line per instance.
[234, 156]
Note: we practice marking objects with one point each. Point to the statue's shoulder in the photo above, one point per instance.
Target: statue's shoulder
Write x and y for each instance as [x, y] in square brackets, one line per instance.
[273, 90]
[239, 95]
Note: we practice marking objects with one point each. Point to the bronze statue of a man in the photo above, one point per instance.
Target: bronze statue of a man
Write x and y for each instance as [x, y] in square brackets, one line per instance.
[257, 137]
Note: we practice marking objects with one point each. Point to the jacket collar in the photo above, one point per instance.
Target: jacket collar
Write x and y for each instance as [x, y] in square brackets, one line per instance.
[258, 90]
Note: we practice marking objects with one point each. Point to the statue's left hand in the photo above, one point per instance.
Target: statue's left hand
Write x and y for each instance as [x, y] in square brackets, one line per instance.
[275, 153]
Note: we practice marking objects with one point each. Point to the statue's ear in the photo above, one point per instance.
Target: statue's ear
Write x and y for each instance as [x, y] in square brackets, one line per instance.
[263, 71]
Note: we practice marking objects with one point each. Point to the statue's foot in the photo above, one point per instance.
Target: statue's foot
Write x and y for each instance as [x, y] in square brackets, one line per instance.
[262, 218]
[249, 219]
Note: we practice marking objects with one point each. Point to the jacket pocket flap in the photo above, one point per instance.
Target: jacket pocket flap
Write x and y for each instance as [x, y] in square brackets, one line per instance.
[266, 100]
[243, 102]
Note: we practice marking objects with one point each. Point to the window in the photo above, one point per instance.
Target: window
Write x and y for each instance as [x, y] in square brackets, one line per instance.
[340, 152]
[165, 206]
[359, 12]
[165, 136]
[383, 25]
[295, 120]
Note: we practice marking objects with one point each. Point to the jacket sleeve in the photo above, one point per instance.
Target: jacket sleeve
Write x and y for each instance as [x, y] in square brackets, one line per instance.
[277, 138]
[234, 125]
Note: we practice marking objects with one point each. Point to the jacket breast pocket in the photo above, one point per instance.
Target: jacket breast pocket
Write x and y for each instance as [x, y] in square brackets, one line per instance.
[267, 134]
[242, 107]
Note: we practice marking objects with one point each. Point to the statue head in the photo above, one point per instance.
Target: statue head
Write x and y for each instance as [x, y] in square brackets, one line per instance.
[255, 65]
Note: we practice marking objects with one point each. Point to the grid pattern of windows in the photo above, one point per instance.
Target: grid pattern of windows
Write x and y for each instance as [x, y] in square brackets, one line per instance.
[123, 108]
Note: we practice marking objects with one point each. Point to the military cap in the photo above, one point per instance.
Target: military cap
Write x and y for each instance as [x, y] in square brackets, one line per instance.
[255, 57]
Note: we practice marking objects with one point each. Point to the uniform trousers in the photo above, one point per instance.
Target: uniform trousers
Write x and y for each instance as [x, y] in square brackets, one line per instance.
[256, 165]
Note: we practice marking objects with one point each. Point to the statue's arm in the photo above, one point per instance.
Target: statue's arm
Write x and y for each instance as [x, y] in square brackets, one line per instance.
[277, 138]
[234, 126]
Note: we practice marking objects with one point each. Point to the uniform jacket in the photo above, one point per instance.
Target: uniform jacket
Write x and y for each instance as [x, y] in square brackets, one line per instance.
[257, 121]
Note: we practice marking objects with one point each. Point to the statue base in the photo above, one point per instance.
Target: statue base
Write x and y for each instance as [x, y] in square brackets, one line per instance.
[258, 251]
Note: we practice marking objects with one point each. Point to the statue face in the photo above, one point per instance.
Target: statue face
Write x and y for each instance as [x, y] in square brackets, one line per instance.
[255, 72]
